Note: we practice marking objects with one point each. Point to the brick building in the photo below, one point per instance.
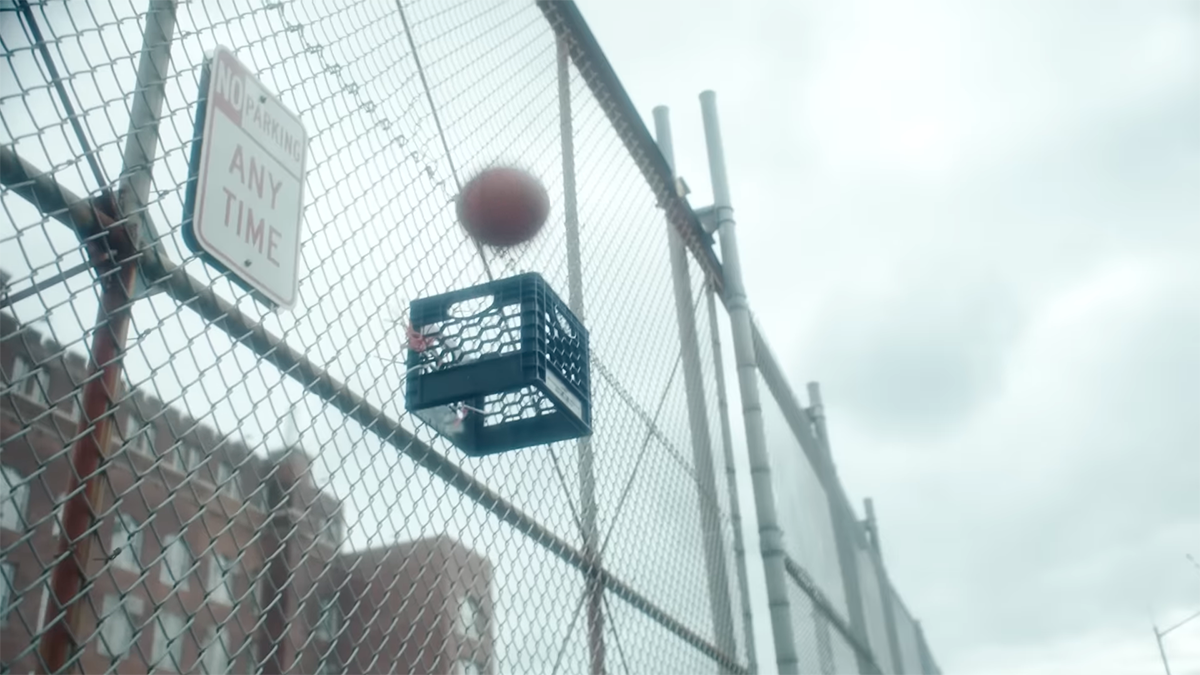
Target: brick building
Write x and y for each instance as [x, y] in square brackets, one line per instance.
[211, 558]
[434, 584]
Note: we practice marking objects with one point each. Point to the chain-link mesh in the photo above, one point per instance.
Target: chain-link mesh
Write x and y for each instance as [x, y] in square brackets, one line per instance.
[803, 508]
[195, 483]
[825, 641]
[845, 615]
[875, 611]
[266, 502]
[907, 637]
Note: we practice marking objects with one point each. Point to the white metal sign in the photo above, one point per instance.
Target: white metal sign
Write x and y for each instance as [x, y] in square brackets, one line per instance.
[245, 201]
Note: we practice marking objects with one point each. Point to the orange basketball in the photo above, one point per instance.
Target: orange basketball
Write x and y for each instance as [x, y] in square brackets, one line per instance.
[503, 206]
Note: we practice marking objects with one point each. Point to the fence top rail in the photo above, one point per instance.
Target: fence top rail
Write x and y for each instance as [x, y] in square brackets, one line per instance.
[588, 57]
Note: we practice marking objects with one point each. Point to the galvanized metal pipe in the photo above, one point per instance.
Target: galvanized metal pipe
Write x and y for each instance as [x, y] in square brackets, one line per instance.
[702, 456]
[587, 457]
[769, 534]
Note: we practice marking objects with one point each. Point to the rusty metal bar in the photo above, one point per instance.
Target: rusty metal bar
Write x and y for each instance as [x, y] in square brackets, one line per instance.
[69, 577]
[111, 255]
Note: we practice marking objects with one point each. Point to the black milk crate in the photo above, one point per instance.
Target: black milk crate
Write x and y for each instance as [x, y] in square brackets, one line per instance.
[499, 366]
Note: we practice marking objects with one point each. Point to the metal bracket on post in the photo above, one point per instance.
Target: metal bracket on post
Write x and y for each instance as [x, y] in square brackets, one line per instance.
[708, 218]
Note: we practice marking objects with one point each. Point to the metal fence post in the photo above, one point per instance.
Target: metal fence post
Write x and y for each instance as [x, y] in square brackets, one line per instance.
[702, 455]
[885, 587]
[769, 533]
[843, 528]
[60, 642]
[587, 471]
[114, 258]
[735, 509]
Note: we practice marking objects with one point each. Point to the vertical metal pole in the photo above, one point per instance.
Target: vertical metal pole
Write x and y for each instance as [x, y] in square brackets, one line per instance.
[885, 587]
[114, 258]
[68, 580]
[702, 455]
[843, 532]
[587, 470]
[735, 509]
[769, 534]
[141, 143]
[1161, 651]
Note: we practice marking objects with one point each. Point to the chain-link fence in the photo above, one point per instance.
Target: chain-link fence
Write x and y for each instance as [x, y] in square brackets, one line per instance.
[846, 615]
[193, 482]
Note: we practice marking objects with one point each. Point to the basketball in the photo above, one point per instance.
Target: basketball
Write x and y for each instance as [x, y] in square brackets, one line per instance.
[503, 206]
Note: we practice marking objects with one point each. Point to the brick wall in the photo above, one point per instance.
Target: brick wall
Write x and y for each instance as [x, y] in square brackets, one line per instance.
[169, 476]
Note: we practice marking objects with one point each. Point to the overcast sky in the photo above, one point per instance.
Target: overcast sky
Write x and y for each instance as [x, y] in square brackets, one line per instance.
[971, 223]
[976, 224]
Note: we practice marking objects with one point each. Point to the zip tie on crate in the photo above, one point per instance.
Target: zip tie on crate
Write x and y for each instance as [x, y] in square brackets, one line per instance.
[419, 342]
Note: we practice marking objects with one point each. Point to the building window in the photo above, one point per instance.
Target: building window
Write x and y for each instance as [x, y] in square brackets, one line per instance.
[147, 439]
[30, 382]
[71, 408]
[261, 499]
[468, 618]
[142, 435]
[6, 591]
[468, 668]
[328, 665]
[256, 661]
[216, 652]
[257, 613]
[14, 496]
[332, 533]
[220, 579]
[177, 562]
[117, 630]
[126, 548]
[189, 457]
[222, 478]
[167, 652]
[329, 622]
